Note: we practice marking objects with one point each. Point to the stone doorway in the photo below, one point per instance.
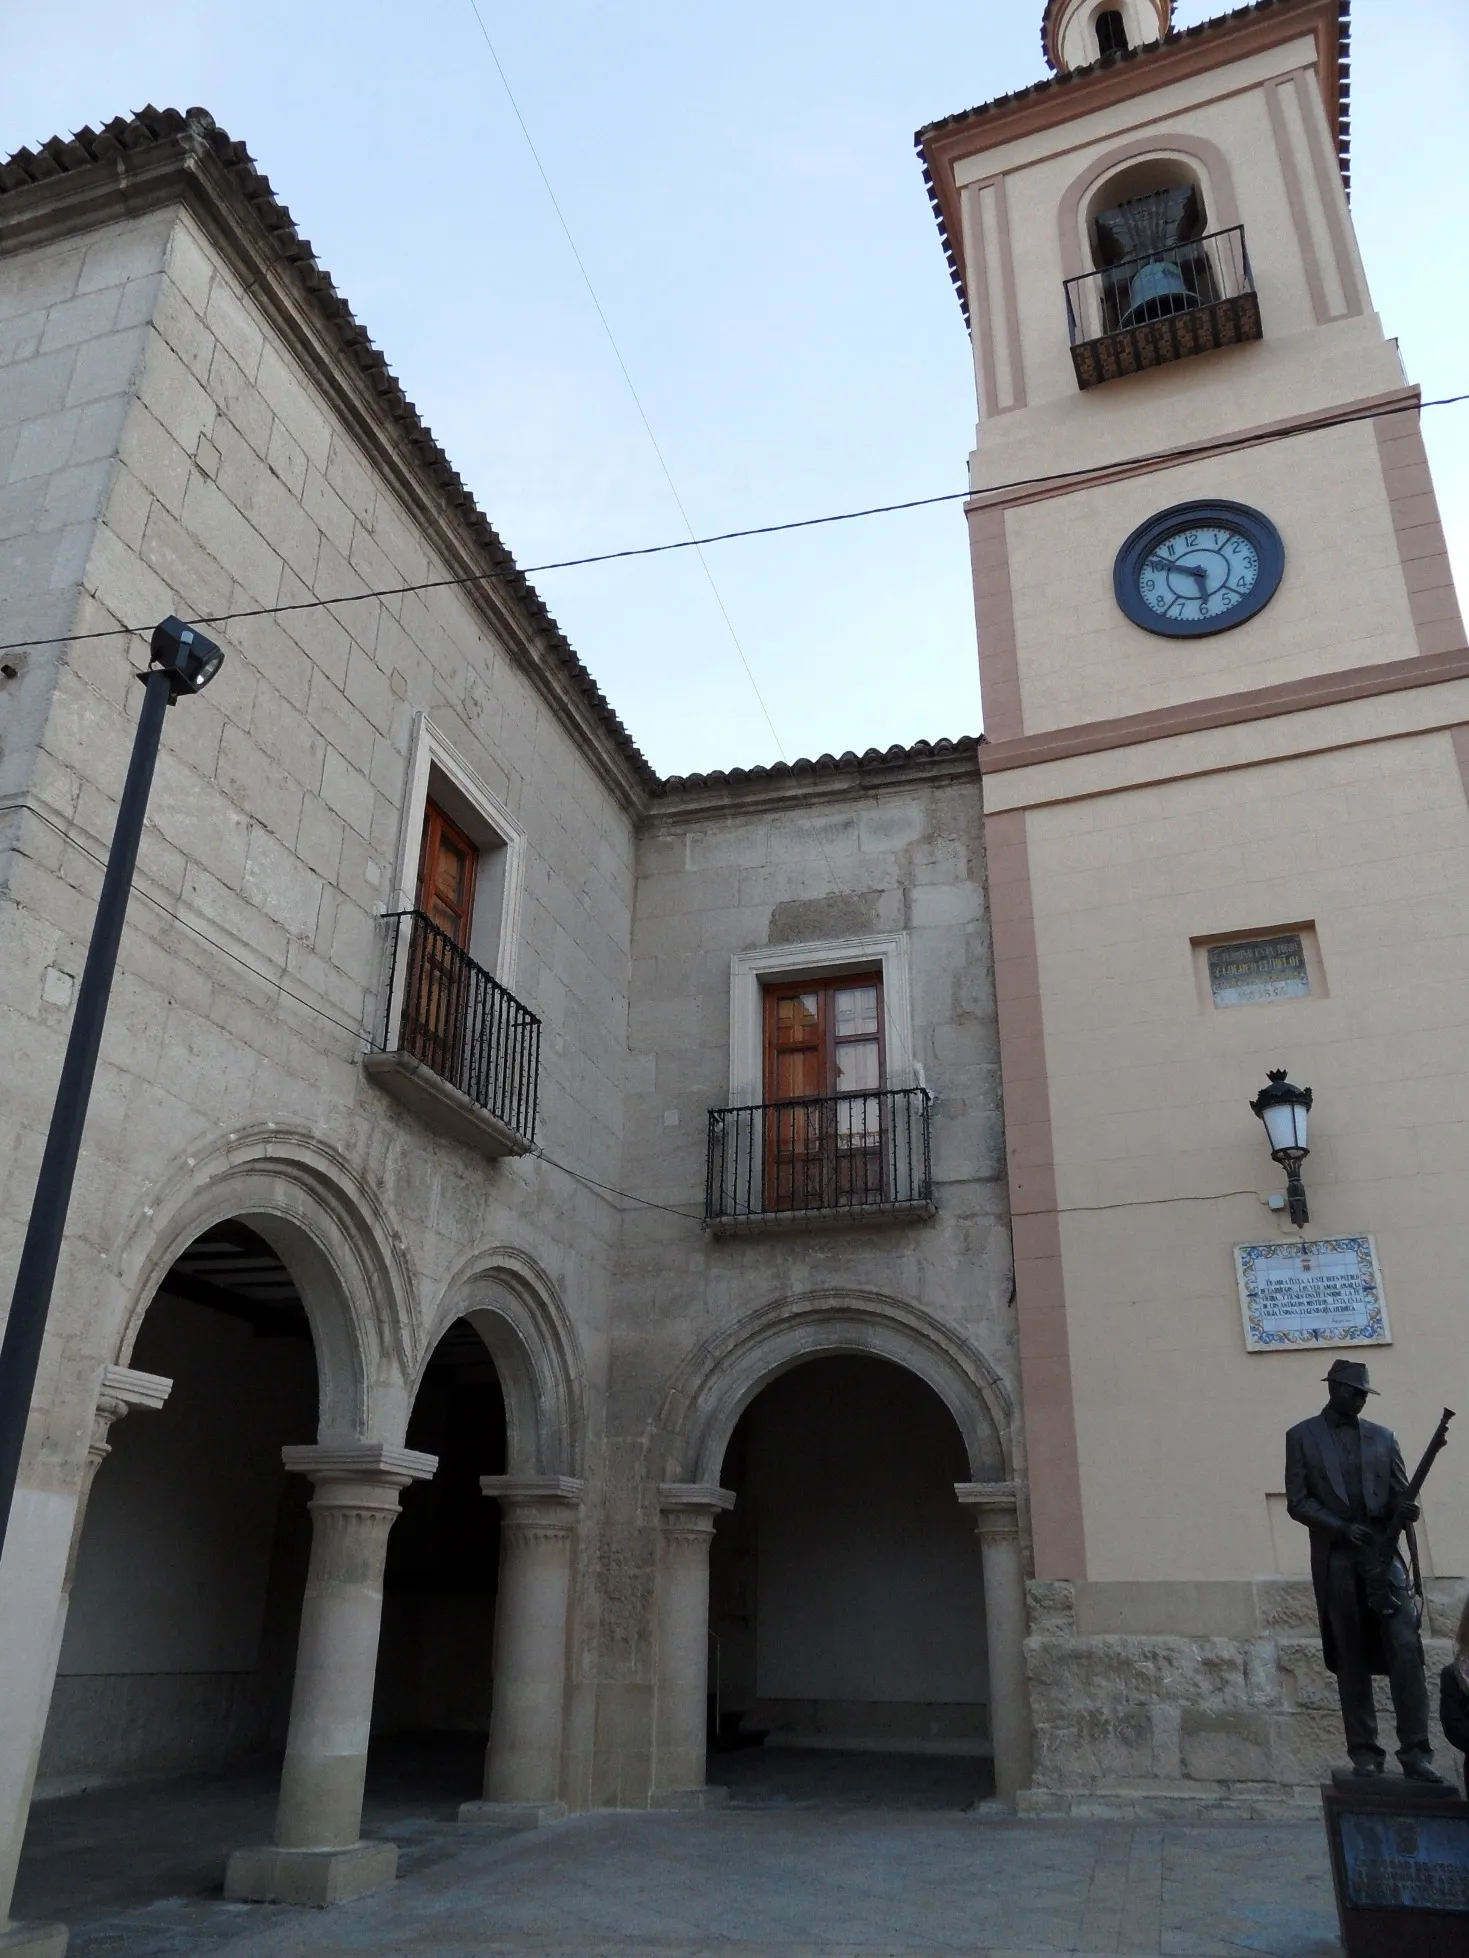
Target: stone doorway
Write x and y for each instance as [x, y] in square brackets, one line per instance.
[847, 1660]
[180, 1639]
[435, 1671]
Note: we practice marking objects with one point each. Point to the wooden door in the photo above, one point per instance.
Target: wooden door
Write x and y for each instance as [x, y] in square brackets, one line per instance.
[441, 979]
[823, 1076]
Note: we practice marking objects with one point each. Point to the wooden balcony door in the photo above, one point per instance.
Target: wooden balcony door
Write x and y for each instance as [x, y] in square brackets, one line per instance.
[824, 1039]
[436, 1010]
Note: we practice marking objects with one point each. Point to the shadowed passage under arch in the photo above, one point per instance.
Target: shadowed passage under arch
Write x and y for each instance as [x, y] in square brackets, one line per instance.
[181, 1631]
[847, 1609]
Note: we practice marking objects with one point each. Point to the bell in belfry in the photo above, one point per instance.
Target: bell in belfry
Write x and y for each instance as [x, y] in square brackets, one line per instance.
[1152, 233]
[1159, 289]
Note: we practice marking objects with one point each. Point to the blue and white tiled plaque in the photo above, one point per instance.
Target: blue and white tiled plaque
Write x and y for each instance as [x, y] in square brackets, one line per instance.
[1321, 1292]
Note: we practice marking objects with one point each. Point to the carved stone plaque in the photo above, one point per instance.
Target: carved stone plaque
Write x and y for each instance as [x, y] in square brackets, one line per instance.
[1321, 1292]
[1258, 968]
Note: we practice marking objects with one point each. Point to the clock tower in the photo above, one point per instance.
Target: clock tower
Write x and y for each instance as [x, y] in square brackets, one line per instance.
[1226, 698]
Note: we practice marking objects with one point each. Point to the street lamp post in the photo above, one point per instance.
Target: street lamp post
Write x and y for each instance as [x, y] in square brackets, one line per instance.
[1283, 1108]
[181, 661]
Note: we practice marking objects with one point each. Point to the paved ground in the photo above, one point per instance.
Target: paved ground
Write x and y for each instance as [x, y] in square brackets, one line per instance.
[811, 1860]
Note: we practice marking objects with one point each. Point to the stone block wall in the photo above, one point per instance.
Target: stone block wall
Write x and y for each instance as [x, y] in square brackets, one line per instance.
[1180, 1724]
[182, 431]
[726, 871]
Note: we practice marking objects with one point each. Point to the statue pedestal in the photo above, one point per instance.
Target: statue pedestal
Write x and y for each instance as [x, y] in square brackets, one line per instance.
[1400, 1866]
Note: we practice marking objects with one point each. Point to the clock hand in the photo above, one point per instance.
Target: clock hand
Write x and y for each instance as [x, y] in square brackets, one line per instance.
[1169, 564]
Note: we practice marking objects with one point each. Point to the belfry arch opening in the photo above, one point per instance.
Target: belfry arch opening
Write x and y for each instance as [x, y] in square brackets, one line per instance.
[847, 1610]
[1111, 31]
[431, 1708]
[180, 1640]
[1144, 225]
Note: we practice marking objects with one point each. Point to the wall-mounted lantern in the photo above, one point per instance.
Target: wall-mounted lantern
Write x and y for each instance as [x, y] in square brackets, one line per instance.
[1283, 1108]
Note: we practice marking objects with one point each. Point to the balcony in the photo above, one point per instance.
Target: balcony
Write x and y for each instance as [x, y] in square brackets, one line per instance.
[456, 1048]
[819, 1162]
[1163, 306]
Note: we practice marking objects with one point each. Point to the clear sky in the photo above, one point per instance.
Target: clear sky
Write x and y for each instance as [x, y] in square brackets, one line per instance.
[741, 184]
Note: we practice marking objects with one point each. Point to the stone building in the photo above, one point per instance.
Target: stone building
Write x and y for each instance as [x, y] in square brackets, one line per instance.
[549, 1228]
[508, 1173]
[1224, 678]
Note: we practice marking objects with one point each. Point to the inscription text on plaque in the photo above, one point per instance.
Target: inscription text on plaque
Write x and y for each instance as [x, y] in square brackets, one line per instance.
[1322, 1292]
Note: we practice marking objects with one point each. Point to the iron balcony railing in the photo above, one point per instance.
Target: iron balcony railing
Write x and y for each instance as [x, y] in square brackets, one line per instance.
[1163, 306]
[449, 1013]
[822, 1157]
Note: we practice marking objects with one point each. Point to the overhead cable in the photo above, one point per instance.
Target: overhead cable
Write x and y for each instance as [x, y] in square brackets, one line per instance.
[1159, 458]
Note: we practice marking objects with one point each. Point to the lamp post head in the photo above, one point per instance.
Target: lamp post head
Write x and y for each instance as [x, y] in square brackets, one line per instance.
[1283, 1108]
[185, 655]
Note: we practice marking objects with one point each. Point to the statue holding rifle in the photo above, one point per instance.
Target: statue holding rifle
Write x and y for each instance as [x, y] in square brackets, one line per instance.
[1345, 1480]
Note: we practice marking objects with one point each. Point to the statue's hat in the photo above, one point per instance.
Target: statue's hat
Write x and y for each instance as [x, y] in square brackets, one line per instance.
[1352, 1372]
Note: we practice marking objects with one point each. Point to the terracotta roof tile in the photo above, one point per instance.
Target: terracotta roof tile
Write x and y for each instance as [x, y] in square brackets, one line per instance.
[849, 763]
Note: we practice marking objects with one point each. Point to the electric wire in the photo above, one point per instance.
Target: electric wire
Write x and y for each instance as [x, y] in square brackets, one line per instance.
[70, 837]
[808, 807]
[1224, 445]
[694, 542]
[266, 978]
[1099, 470]
[611, 1190]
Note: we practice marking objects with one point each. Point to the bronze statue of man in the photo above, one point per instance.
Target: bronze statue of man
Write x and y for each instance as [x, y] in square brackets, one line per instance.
[1343, 1475]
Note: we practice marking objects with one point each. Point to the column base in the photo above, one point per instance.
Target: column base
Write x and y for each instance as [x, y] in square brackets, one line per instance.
[511, 1815]
[710, 1796]
[269, 1875]
[33, 1940]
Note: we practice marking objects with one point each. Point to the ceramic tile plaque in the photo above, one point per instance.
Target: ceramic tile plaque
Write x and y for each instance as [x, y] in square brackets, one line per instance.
[1258, 968]
[1321, 1292]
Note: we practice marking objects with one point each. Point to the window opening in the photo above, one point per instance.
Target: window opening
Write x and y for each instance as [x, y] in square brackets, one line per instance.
[1111, 33]
[823, 1081]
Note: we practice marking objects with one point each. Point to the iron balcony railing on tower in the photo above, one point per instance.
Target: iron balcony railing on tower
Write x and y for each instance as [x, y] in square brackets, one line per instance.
[454, 1045]
[1164, 305]
[859, 1158]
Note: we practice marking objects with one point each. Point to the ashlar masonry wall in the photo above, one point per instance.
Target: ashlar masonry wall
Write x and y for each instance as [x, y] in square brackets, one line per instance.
[886, 856]
[181, 436]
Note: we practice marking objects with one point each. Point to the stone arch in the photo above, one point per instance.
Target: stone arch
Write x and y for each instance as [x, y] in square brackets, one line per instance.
[329, 1230]
[722, 1376]
[514, 1306]
[1196, 153]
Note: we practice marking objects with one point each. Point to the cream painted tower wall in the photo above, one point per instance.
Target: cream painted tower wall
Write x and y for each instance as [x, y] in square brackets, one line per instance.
[1146, 795]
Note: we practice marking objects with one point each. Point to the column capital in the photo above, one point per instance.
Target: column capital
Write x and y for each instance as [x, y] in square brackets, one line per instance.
[121, 1390]
[373, 1463]
[693, 1499]
[509, 1490]
[996, 1507]
[688, 1510]
[130, 1388]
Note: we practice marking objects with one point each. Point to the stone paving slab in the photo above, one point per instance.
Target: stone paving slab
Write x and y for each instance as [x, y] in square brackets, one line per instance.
[791, 1883]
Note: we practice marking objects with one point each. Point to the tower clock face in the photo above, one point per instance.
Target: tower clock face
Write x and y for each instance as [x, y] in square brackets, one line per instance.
[1199, 568]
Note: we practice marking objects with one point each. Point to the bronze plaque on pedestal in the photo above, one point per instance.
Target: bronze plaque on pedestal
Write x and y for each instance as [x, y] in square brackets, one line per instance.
[1400, 1867]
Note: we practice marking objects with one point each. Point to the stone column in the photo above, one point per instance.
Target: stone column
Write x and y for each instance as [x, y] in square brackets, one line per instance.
[687, 1511]
[29, 1596]
[998, 1522]
[318, 1856]
[538, 1517]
